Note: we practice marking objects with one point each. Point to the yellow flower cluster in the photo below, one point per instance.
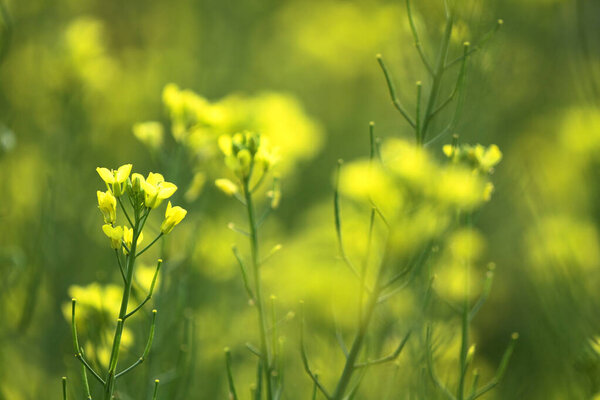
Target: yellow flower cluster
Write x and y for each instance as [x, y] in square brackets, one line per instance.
[418, 196]
[477, 156]
[247, 152]
[145, 194]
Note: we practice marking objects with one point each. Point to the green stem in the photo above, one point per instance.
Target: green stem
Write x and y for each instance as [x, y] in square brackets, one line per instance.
[356, 348]
[437, 79]
[266, 367]
[110, 379]
[150, 245]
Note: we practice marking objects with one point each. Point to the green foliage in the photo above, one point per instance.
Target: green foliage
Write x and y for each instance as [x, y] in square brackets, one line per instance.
[401, 298]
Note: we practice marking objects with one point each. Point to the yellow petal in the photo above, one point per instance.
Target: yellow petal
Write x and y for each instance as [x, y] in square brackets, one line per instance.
[106, 175]
[123, 173]
[166, 190]
[154, 178]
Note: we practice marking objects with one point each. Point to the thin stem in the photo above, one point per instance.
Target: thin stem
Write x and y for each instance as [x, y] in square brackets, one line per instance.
[437, 78]
[387, 358]
[501, 369]
[150, 292]
[64, 387]
[459, 84]
[253, 350]
[430, 366]
[416, 38]
[155, 394]
[150, 245]
[232, 391]
[84, 377]
[137, 229]
[146, 349]
[304, 357]
[76, 347]
[356, 348]
[238, 257]
[486, 38]
[392, 91]
[338, 222]
[120, 266]
[265, 360]
[418, 127]
[125, 211]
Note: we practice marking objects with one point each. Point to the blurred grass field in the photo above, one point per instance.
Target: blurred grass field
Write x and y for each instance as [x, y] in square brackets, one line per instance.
[77, 77]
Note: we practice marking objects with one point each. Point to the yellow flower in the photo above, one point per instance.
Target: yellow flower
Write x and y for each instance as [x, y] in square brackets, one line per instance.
[115, 180]
[115, 234]
[490, 157]
[128, 238]
[478, 156]
[156, 189]
[150, 133]
[173, 216]
[226, 186]
[107, 203]
[247, 151]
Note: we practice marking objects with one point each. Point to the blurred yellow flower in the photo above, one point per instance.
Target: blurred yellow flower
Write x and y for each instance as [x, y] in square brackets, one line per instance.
[227, 186]
[115, 234]
[150, 133]
[115, 180]
[173, 216]
[156, 189]
[107, 203]
[479, 157]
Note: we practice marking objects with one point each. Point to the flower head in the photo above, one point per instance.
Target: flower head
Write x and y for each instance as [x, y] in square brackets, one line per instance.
[156, 189]
[173, 216]
[479, 157]
[115, 180]
[107, 203]
[247, 152]
[115, 234]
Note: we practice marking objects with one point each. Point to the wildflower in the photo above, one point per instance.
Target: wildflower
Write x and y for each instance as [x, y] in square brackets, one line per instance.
[128, 238]
[245, 152]
[226, 186]
[156, 189]
[115, 234]
[107, 203]
[478, 157]
[115, 180]
[173, 216]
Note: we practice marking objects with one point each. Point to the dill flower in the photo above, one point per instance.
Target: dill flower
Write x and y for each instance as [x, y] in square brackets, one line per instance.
[173, 216]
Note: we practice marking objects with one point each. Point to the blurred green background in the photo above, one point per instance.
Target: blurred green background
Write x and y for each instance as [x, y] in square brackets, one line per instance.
[76, 75]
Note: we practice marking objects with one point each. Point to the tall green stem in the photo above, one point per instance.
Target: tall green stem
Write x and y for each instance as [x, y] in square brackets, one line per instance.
[264, 352]
[110, 379]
